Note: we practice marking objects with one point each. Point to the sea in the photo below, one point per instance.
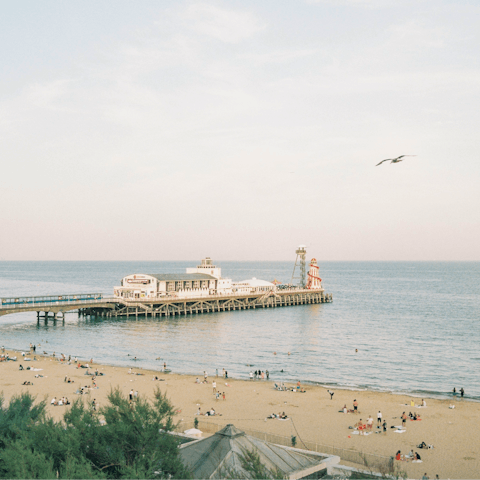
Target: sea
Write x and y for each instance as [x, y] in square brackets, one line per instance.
[403, 327]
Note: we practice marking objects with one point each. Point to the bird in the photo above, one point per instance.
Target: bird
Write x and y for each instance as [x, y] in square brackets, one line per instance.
[394, 160]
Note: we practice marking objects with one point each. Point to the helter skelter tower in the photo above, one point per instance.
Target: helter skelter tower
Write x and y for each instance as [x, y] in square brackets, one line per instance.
[314, 282]
[300, 262]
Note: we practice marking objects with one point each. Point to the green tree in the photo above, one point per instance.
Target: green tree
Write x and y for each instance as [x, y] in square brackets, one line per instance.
[18, 416]
[132, 442]
[252, 468]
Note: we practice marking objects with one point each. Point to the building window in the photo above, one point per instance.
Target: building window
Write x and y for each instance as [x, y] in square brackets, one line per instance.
[196, 284]
[171, 286]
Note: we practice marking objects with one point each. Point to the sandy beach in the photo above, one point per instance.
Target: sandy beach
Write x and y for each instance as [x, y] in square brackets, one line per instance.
[313, 416]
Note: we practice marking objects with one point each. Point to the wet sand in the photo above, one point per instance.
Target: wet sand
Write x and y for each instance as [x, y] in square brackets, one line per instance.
[314, 417]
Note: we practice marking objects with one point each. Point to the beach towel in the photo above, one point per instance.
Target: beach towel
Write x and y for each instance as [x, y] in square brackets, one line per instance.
[36, 369]
[417, 461]
[399, 431]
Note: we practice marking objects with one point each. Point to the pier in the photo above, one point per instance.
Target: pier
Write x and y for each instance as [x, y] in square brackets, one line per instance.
[165, 306]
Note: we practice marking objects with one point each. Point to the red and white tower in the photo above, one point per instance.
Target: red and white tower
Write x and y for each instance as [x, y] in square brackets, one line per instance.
[314, 281]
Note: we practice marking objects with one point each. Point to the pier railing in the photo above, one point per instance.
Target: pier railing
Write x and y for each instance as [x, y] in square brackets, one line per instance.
[82, 299]
[214, 295]
[53, 303]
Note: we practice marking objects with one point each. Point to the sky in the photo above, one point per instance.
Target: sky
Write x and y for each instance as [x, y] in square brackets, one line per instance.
[175, 130]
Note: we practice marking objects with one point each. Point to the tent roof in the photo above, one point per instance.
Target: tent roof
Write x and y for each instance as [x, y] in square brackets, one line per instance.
[255, 282]
[215, 456]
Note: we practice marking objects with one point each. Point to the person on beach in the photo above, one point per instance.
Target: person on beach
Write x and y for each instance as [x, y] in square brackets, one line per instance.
[384, 427]
[379, 418]
[360, 427]
[251, 375]
[205, 376]
[454, 391]
[331, 394]
[267, 373]
[370, 423]
[424, 403]
[226, 374]
[398, 455]
[214, 385]
[130, 395]
[404, 420]
[355, 406]
[223, 395]
[345, 409]
[462, 391]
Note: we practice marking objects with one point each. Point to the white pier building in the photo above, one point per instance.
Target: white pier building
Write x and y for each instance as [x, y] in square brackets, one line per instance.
[201, 281]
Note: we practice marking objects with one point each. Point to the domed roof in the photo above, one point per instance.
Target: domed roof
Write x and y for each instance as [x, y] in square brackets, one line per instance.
[255, 282]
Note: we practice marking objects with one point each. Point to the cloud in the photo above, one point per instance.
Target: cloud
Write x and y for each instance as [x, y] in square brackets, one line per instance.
[357, 3]
[416, 34]
[225, 25]
[278, 56]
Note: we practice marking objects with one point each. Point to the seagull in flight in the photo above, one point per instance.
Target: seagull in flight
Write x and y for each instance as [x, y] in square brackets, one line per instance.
[394, 160]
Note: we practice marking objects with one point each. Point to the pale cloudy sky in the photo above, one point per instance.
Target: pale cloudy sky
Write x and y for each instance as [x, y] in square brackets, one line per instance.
[173, 130]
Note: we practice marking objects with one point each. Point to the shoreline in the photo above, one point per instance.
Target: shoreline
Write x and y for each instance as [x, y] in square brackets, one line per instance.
[315, 417]
[327, 385]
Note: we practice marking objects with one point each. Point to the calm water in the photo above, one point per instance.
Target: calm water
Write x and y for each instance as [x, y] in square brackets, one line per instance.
[415, 325]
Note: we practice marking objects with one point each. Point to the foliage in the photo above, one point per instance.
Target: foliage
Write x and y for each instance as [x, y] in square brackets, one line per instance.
[251, 467]
[20, 414]
[131, 442]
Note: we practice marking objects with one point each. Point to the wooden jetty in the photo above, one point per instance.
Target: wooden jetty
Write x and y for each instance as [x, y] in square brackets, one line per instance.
[164, 306]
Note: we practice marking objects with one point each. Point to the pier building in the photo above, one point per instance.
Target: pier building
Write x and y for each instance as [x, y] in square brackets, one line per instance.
[201, 281]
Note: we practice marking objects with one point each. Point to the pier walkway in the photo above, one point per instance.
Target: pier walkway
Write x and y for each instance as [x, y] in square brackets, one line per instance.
[54, 304]
[98, 305]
